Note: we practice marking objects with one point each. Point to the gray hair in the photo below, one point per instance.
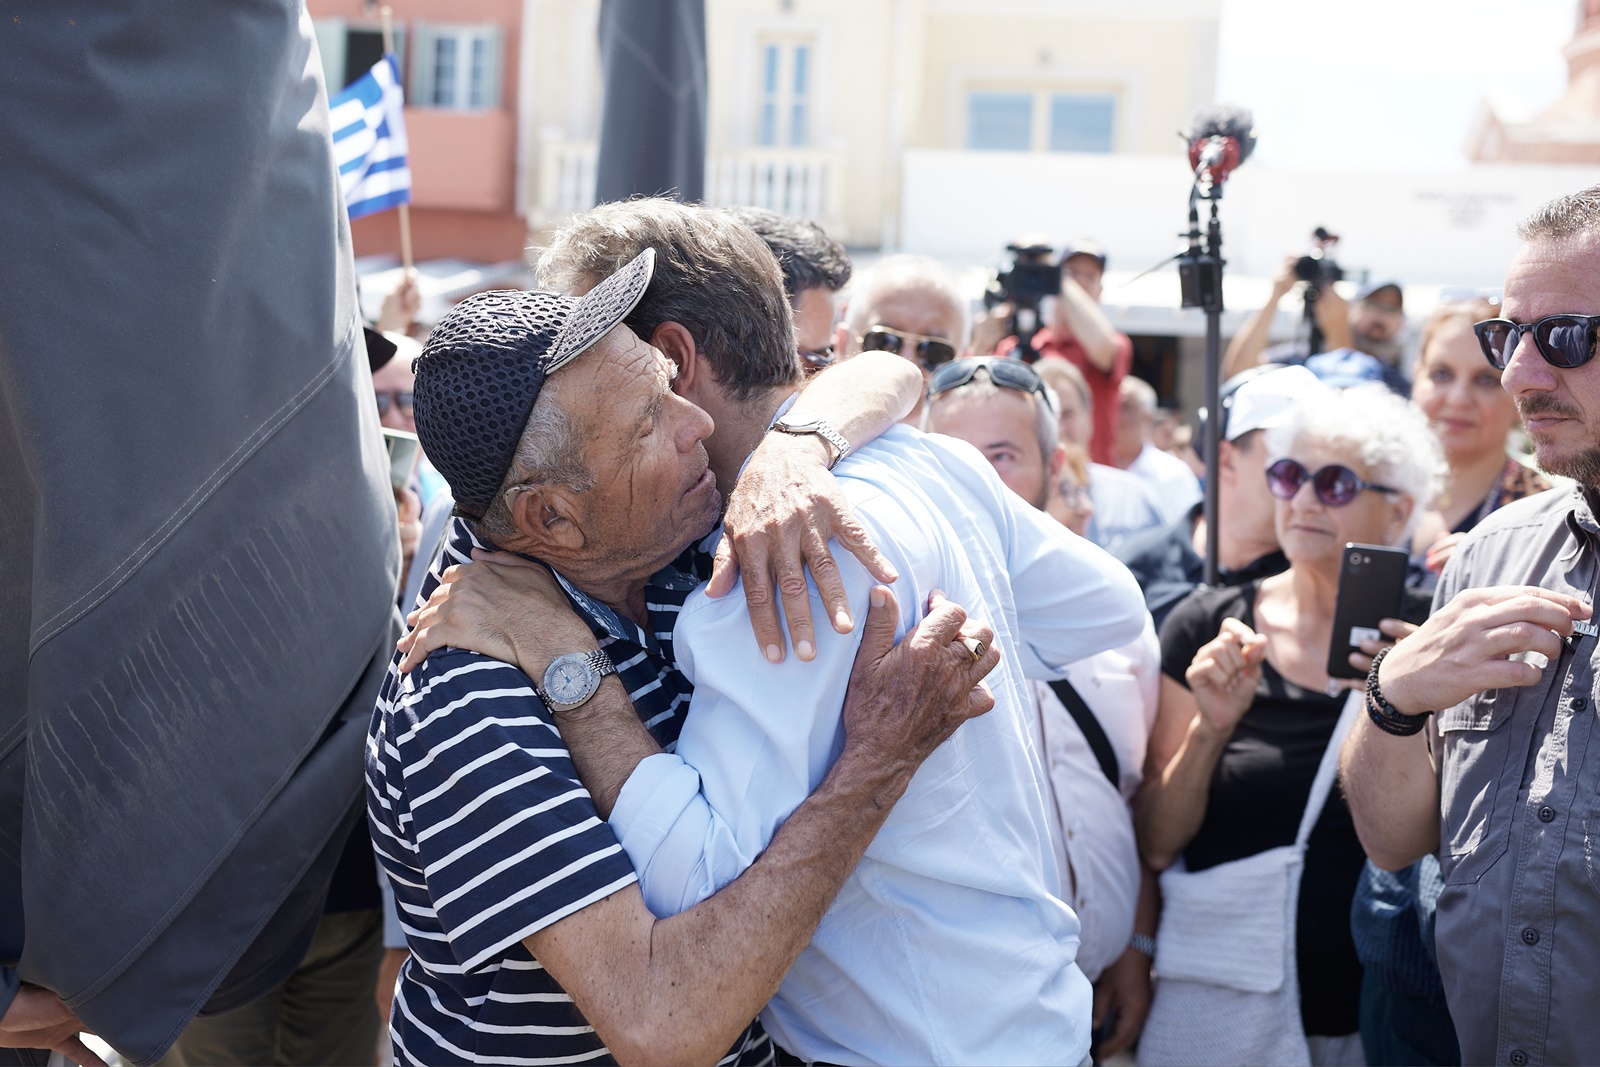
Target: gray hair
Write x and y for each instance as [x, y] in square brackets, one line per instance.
[1045, 426]
[1142, 391]
[1065, 374]
[714, 276]
[549, 452]
[1566, 216]
[903, 272]
[1383, 431]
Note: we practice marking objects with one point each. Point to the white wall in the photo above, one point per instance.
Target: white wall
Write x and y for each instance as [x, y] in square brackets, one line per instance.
[1442, 228]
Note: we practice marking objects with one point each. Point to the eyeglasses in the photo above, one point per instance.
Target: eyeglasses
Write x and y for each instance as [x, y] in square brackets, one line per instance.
[1335, 485]
[1003, 371]
[817, 358]
[929, 351]
[398, 396]
[1565, 341]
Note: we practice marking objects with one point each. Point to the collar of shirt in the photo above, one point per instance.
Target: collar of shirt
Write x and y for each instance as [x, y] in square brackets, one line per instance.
[667, 590]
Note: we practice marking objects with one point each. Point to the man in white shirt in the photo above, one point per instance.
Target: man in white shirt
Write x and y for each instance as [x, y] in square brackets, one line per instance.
[1093, 751]
[1175, 484]
[950, 941]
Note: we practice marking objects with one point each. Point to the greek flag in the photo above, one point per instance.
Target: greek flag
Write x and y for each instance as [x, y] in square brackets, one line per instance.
[369, 141]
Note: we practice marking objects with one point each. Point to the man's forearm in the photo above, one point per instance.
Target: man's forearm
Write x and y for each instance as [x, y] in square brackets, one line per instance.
[1244, 351]
[607, 741]
[1393, 791]
[1089, 325]
[862, 396]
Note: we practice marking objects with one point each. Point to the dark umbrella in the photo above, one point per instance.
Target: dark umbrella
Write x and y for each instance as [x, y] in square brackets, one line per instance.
[196, 532]
[653, 119]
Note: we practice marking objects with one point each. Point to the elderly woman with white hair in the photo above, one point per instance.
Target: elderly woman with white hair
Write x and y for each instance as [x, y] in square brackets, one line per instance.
[1256, 962]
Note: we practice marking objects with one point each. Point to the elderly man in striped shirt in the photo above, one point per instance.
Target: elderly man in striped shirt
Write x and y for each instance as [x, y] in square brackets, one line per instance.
[561, 437]
[960, 890]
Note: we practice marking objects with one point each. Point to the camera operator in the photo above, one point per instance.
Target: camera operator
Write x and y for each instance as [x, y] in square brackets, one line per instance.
[1078, 331]
[1371, 325]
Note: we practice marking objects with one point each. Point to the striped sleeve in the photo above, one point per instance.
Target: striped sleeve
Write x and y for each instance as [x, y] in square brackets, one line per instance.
[506, 836]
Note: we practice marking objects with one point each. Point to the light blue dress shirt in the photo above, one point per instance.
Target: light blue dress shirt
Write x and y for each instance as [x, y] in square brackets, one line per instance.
[949, 943]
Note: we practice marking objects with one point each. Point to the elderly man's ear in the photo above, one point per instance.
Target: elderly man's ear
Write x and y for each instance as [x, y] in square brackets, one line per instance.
[547, 517]
[675, 342]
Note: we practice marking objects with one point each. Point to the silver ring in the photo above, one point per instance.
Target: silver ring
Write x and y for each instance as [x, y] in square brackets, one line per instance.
[975, 646]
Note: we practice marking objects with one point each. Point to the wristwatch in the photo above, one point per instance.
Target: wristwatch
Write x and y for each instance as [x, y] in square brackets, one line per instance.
[820, 427]
[572, 679]
[1143, 943]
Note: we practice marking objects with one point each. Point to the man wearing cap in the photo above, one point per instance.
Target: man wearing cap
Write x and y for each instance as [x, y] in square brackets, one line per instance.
[1080, 333]
[1169, 562]
[1370, 326]
[959, 890]
[530, 940]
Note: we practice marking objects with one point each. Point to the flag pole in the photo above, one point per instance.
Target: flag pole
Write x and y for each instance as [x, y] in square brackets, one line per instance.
[387, 14]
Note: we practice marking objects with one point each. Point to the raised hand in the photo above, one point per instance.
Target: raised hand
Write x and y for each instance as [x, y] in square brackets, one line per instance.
[1224, 674]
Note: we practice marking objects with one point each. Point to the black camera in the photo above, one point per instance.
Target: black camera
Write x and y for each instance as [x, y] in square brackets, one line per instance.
[1316, 268]
[1027, 275]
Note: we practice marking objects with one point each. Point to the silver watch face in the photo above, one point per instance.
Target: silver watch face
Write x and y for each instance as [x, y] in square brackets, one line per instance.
[570, 679]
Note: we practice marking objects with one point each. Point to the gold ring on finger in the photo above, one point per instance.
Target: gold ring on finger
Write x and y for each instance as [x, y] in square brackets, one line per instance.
[975, 646]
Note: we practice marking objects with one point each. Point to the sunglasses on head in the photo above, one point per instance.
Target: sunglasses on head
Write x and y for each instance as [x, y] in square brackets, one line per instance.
[929, 351]
[1335, 485]
[1565, 341]
[1003, 371]
[399, 396]
[817, 358]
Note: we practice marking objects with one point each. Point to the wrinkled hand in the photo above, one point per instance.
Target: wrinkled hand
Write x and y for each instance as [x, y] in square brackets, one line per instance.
[499, 605]
[401, 307]
[1224, 674]
[1123, 990]
[781, 516]
[1440, 551]
[37, 1018]
[1464, 647]
[905, 700]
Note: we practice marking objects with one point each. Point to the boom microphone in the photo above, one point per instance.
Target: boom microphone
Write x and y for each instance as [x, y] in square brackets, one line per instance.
[1220, 138]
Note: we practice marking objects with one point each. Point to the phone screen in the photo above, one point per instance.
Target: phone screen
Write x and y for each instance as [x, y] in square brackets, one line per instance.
[404, 448]
[1372, 584]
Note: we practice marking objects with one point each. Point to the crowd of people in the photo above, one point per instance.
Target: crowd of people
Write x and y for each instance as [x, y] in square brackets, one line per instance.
[795, 673]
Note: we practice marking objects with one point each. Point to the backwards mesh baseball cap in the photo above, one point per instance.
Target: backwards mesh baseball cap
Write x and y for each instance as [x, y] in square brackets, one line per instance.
[485, 362]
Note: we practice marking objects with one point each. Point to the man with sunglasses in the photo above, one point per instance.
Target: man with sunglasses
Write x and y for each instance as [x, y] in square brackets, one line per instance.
[911, 306]
[1479, 739]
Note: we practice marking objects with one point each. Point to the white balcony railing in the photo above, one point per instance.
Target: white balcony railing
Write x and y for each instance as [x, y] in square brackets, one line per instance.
[807, 182]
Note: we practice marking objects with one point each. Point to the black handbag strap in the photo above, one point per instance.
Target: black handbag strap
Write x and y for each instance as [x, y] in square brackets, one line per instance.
[1099, 743]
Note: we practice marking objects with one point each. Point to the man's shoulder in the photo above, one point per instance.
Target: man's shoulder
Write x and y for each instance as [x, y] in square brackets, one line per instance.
[449, 679]
[1520, 531]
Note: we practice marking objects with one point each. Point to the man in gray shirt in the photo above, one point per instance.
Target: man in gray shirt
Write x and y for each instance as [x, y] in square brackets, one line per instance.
[1503, 780]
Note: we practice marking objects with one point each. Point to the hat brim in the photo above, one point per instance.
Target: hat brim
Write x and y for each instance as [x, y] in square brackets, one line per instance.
[602, 309]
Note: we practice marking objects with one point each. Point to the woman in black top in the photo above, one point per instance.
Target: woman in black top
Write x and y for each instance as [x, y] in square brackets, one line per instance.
[1247, 707]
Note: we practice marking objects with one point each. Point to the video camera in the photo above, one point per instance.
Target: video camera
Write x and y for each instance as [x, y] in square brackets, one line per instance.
[1026, 276]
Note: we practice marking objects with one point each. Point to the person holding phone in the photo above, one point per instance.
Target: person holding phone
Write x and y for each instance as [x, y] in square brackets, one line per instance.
[1238, 781]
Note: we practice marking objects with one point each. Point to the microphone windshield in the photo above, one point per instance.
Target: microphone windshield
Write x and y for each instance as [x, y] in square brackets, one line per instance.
[1223, 120]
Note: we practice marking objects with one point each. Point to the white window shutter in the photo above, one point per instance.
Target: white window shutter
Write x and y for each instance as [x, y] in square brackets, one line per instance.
[491, 66]
[421, 65]
[330, 44]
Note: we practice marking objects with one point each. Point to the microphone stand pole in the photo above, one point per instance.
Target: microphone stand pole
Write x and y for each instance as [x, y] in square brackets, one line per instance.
[1200, 278]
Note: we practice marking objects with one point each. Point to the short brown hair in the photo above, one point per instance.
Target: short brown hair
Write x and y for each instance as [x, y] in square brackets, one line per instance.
[714, 276]
[1469, 311]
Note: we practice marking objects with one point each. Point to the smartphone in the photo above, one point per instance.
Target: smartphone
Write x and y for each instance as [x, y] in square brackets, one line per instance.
[1372, 587]
[404, 448]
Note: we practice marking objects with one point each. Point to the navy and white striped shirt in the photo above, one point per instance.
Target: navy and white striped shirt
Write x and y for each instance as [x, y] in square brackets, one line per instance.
[488, 836]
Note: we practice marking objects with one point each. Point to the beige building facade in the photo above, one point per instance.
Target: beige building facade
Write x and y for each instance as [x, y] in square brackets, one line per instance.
[813, 104]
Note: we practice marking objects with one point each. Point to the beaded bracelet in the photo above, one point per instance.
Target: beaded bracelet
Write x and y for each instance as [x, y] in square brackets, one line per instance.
[1384, 715]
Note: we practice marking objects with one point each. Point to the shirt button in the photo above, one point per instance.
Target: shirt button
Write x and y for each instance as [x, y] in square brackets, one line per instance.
[1530, 936]
[1579, 703]
[1547, 814]
[1519, 1058]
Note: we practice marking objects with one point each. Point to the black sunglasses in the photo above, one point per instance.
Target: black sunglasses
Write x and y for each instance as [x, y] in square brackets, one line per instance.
[817, 358]
[1335, 485]
[929, 351]
[1565, 341]
[1002, 370]
[399, 396]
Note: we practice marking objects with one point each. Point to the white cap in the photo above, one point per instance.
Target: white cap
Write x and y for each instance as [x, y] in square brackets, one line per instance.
[1269, 398]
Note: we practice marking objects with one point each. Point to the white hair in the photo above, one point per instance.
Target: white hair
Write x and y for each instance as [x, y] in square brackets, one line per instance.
[1141, 391]
[899, 273]
[1385, 433]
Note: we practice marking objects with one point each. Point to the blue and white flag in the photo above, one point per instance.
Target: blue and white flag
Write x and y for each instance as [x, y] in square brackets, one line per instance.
[369, 141]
